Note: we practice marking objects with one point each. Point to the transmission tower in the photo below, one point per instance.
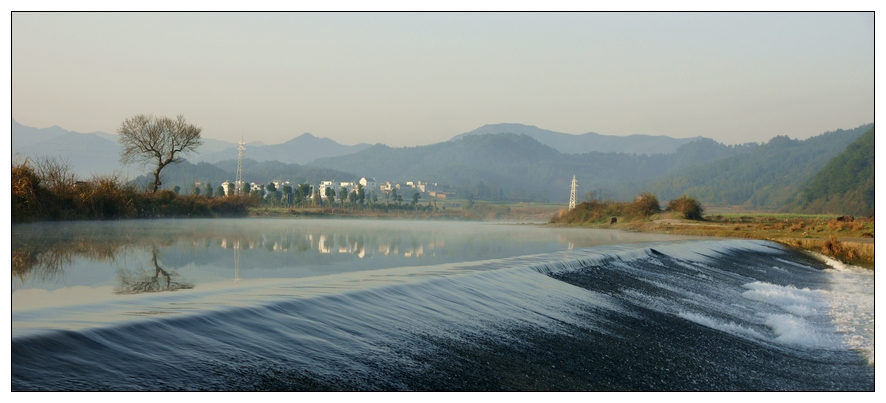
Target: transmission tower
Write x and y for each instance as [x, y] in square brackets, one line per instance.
[239, 181]
[572, 193]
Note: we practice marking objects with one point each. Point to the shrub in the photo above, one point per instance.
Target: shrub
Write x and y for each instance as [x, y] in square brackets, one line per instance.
[26, 193]
[595, 211]
[832, 247]
[689, 207]
[47, 191]
[835, 225]
[646, 204]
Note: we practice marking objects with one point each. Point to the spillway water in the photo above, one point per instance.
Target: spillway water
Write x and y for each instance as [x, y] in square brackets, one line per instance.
[374, 305]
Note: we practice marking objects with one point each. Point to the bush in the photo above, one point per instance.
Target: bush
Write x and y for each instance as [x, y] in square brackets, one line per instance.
[646, 204]
[689, 207]
[595, 211]
[47, 191]
[26, 192]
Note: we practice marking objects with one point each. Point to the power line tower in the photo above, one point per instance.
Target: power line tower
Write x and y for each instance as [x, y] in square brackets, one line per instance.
[572, 194]
[239, 181]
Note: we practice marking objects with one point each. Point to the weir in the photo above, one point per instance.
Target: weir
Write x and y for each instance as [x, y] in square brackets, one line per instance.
[664, 315]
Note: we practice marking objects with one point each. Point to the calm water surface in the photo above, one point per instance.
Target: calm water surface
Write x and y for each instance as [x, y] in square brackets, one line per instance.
[267, 304]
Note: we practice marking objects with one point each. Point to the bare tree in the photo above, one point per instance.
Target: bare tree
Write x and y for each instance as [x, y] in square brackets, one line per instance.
[55, 174]
[162, 141]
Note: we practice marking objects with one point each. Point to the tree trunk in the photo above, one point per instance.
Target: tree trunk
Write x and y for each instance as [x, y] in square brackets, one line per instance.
[156, 181]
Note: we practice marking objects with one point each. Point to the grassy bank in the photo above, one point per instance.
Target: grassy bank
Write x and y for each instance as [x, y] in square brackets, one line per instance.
[847, 239]
[45, 192]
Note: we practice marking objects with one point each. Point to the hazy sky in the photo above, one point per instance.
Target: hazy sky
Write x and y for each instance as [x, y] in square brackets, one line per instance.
[407, 79]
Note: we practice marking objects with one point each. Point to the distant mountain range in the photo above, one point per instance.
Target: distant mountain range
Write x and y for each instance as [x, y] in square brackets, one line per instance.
[519, 167]
[534, 164]
[98, 153]
[588, 142]
[87, 154]
[299, 150]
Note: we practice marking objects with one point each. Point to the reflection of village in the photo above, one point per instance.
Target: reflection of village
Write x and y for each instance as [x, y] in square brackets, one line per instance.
[43, 257]
[359, 245]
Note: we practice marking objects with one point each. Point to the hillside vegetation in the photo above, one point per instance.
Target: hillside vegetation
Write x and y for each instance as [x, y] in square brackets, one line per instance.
[518, 167]
[846, 184]
[769, 177]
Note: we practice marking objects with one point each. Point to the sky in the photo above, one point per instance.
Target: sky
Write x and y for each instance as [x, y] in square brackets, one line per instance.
[408, 79]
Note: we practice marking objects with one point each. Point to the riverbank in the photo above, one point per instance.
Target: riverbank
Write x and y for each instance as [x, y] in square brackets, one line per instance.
[847, 239]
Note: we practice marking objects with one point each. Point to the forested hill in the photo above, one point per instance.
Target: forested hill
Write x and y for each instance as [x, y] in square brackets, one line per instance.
[846, 184]
[518, 167]
[769, 177]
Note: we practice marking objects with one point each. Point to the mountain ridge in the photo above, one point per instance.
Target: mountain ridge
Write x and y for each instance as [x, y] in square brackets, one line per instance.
[301, 149]
[767, 179]
[517, 166]
[846, 184]
[587, 142]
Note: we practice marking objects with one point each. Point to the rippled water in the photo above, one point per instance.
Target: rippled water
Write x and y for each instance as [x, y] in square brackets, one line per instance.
[408, 305]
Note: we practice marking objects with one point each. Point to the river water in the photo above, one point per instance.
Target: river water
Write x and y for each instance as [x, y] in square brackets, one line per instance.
[268, 304]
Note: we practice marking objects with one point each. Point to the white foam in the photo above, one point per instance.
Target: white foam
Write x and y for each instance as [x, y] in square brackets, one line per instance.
[730, 327]
[851, 305]
[790, 329]
[801, 302]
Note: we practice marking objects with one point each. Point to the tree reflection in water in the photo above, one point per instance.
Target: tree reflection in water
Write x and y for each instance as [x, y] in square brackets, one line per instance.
[42, 252]
[136, 283]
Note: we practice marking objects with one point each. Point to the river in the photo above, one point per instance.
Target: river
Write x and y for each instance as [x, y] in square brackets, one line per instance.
[344, 304]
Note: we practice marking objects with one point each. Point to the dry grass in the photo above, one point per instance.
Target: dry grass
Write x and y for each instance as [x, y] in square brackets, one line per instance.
[46, 191]
[847, 241]
[594, 212]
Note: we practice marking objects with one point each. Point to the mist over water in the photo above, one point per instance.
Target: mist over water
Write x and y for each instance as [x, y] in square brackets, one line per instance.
[412, 305]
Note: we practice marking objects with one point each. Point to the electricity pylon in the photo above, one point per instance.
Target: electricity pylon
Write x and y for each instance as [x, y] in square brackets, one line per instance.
[572, 194]
[239, 181]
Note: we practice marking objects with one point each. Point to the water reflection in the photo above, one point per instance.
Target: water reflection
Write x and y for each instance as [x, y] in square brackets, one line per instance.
[52, 255]
[138, 281]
